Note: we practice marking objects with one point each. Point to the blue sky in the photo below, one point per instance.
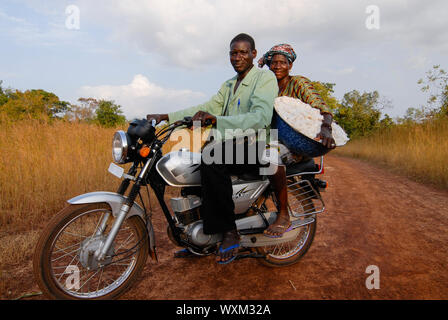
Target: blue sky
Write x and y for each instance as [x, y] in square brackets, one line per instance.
[160, 56]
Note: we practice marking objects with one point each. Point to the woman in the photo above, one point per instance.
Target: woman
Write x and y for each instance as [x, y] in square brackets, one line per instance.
[280, 60]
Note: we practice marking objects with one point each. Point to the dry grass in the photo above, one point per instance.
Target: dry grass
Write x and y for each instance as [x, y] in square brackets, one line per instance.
[419, 151]
[43, 165]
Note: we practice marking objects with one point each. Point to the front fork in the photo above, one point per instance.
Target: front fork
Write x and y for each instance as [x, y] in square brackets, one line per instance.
[101, 253]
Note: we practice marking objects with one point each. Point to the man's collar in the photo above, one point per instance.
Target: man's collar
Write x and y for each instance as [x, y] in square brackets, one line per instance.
[247, 77]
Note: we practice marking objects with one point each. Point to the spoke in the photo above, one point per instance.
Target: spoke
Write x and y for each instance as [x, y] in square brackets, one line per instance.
[75, 235]
[67, 266]
[89, 279]
[126, 242]
[63, 250]
[99, 281]
[99, 221]
[67, 254]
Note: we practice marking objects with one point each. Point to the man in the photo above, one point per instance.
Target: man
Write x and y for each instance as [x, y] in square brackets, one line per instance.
[243, 102]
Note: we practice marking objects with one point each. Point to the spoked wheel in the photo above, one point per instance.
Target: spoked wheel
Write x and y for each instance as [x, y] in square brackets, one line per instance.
[64, 263]
[288, 253]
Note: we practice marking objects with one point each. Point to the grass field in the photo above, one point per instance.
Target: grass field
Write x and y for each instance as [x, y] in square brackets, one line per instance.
[419, 151]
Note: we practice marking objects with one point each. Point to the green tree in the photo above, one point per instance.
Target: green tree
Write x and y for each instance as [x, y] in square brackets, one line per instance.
[386, 122]
[358, 113]
[34, 104]
[436, 84]
[109, 114]
[326, 90]
[4, 94]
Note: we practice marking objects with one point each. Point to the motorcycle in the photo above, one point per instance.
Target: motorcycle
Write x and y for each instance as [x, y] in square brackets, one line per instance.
[97, 246]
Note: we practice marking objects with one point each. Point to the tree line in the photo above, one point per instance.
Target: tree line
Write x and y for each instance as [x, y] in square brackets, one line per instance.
[358, 113]
[40, 104]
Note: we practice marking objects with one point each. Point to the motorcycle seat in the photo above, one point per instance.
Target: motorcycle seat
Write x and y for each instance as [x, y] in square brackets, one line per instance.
[307, 166]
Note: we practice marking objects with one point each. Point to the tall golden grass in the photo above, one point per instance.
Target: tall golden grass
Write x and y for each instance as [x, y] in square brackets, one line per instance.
[419, 151]
[43, 165]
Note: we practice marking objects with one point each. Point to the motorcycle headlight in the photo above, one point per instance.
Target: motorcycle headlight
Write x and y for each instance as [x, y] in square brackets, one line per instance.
[120, 147]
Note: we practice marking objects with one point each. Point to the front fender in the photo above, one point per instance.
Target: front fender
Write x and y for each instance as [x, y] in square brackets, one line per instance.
[115, 202]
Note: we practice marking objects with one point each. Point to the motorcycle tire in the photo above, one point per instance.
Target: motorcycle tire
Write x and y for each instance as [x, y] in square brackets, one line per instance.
[77, 225]
[272, 256]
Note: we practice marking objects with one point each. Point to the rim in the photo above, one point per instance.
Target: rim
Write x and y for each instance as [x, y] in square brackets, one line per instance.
[67, 269]
[286, 250]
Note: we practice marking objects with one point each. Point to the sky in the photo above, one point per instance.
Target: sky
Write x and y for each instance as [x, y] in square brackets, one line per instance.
[157, 56]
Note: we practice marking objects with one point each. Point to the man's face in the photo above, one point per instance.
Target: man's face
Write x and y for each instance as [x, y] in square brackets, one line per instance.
[241, 56]
[280, 66]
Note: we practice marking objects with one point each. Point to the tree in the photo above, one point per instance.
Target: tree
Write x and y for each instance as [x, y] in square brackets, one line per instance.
[3, 95]
[85, 112]
[325, 90]
[358, 113]
[34, 104]
[436, 84]
[109, 114]
[386, 122]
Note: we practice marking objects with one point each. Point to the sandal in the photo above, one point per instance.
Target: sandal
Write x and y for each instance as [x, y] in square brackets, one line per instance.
[282, 229]
[230, 239]
[233, 257]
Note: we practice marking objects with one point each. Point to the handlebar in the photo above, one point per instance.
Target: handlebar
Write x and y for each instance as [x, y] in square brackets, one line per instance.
[188, 122]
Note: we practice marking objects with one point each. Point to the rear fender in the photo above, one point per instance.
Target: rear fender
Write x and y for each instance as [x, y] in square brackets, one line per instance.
[115, 201]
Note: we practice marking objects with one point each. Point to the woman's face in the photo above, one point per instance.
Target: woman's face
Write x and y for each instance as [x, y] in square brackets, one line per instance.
[280, 66]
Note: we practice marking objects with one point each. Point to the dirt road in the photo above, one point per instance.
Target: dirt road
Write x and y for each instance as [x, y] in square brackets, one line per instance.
[372, 217]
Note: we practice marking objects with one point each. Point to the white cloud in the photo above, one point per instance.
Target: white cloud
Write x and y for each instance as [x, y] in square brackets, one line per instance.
[142, 97]
[197, 32]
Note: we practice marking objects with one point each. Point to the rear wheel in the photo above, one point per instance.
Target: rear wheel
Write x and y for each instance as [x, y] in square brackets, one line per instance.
[64, 264]
[288, 253]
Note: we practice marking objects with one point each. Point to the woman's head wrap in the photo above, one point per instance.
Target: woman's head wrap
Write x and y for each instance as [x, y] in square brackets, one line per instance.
[284, 49]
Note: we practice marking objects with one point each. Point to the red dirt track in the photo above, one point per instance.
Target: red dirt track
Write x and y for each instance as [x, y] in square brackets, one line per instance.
[372, 217]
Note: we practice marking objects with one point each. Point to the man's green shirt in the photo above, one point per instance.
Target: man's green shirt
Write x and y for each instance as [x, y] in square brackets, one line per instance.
[250, 107]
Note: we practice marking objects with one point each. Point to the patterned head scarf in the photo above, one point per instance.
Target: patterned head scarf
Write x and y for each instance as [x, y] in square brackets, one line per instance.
[284, 49]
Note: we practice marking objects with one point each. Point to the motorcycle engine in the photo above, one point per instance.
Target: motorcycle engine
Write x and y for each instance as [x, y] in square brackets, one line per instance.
[186, 210]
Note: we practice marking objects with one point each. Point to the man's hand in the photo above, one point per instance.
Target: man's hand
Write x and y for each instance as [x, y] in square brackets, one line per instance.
[204, 117]
[157, 117]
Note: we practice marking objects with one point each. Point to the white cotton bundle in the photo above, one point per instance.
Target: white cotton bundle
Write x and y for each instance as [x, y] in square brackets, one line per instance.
[306, 119]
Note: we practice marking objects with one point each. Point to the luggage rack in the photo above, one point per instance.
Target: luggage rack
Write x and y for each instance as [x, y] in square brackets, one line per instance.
[303, 199]
[321, 168]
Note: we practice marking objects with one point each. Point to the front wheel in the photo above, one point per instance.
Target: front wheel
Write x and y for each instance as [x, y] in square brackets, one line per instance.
[64, 263]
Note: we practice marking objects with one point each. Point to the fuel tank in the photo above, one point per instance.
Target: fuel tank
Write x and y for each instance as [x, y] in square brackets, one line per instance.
[182, 169]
